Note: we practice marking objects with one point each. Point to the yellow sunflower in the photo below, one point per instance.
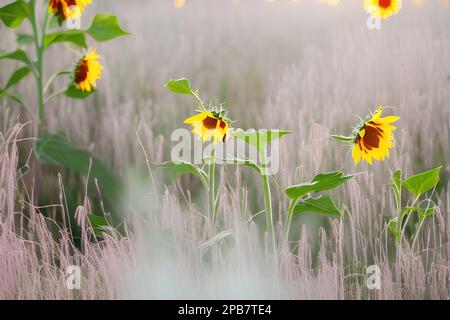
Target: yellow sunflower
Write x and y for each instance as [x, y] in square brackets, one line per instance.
[373, 138]
[88, 71]
[67, 9]
[382, 8]
[209, 124]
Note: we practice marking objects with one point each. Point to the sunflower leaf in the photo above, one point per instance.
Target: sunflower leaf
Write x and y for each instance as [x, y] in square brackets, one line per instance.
[422, 182]
[75, 37]
[24, 39]
[180, 86]
[343, 138]
[55, 149]
[393, 227]
[105, 27]
[179, 168]
[321, 182]
[5, 94]
[17, 76]
[13, 14]
[426, 208]
[75, 93]
[261, 138]
[245, 162]
[98, 223]
[322, 205]
[18, 55]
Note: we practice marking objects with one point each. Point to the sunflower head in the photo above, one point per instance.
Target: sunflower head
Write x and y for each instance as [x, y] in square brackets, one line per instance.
[213, 123]
[88, 71]
[67, 9]
[373, 138]
[382, 8]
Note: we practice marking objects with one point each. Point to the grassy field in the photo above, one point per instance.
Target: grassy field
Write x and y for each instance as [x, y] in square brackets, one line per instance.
[306, 67]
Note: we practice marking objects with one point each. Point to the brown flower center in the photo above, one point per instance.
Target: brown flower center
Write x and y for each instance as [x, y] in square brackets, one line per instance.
[384, 3]
[82, 72]
[210, 123]
[372, 136]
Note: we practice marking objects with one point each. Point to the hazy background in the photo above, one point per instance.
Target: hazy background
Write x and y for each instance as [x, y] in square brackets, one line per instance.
[304, 66]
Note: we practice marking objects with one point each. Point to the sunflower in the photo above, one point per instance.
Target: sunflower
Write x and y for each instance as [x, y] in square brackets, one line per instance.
[382, 8]
[373, 137]
[67, 9]
[88, 71]
[210, 124]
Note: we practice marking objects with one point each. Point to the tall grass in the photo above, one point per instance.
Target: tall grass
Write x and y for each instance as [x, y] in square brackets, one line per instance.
[306, 68]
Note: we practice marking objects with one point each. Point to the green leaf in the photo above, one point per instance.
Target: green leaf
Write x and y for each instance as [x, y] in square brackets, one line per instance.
[343, 138]
[422, 182]
[5, 94]
[180, 86]
[24, 39]
[18, 55]
[247, 163]
[259, 139]
[426, 208]
[98, 223]
[396, 183]
[393, 227]
[17, 76]
[73, 36]
[105, 27]
[14, 13]
[321, 182]
[75, 93]
[323, 205]
[180, 168]
[55, 149]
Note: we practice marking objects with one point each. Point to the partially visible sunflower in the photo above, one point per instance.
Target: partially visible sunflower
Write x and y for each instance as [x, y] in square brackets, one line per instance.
[67, 9]
[210, 124]
[88, 71]
[382, 8]
[372, 138]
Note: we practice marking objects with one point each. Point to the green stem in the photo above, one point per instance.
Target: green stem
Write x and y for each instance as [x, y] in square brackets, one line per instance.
[267, 195]
[417, 233]
[211, 189]
[287, 226]
[39, 65]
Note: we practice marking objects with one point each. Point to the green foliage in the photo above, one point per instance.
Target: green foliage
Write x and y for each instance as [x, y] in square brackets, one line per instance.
[321, 182]
[261, 138]
[323, 205]
[55, 149]
[179, 86]
[24, 39]
[302, 203]
[417, 185]
[180, 168]
[17, 76]
[394, 227]
[18, 55]
[75, 93]
[5, 94]
[75, 37]
[396, 181]
[343, 138]
[13, 14]
[422, 182]
[98, 223]
[105, 27]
